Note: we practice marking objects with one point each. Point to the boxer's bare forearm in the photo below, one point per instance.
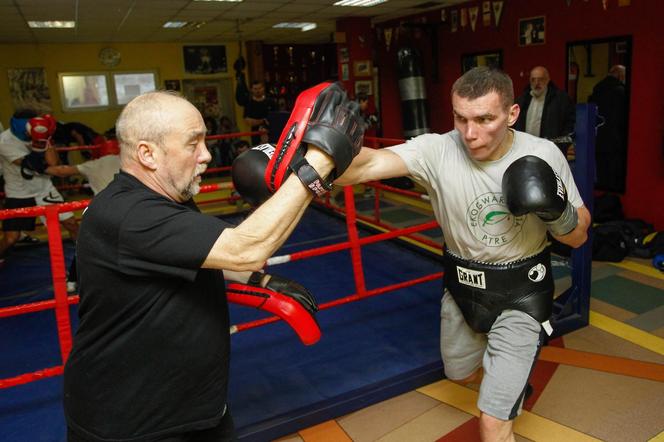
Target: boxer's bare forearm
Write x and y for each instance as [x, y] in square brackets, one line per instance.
[577, 237]
[250, 244]
[371, 165]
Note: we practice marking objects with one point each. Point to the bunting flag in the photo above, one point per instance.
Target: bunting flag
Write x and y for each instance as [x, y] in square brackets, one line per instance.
[464, 17]
[486, 13]
[605, 4]
[387, 32]
[624, 2]
[497, 10]
[473, 11]
[454, 20]
[443, 15]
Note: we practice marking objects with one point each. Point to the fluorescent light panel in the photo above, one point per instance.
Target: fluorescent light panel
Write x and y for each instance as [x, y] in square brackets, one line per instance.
[52, 24]
[362, 3]
[175, 24]
[296, 25]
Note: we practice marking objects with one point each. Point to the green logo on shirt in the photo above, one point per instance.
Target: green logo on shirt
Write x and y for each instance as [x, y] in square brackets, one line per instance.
[491, 222]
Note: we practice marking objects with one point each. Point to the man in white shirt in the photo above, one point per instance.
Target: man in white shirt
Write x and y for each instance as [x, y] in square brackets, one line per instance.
[25, 186]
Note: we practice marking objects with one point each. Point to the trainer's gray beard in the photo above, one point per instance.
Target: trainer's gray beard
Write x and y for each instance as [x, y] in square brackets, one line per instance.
[193, 188]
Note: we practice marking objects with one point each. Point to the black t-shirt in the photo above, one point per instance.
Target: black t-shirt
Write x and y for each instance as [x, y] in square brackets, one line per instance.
[150, 356]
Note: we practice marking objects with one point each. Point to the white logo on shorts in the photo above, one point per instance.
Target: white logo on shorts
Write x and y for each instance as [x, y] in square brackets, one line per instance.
[472, 278]
[537, 273]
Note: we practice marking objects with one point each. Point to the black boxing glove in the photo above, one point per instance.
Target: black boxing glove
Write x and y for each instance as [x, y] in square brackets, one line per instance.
[530, 185]
[286, 287]
[336, 126]
[33, 163]
[248, 172]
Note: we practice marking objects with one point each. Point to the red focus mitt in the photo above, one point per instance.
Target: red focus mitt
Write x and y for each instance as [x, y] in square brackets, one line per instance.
[285, 307]
[324, 116]
[41, 129]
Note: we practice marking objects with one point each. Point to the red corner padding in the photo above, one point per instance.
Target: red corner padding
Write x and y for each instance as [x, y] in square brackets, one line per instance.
[283, 306]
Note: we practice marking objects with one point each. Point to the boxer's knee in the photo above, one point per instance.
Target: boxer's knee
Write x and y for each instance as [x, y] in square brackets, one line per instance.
[474, 378]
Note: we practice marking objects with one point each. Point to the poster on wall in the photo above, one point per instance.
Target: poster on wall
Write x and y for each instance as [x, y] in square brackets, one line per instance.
[532, 31]
[209, 59]
[213, 98]
[363, 87]
[28, 89]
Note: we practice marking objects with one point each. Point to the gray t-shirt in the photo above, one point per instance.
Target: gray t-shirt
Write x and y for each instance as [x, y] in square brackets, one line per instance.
[467, 198]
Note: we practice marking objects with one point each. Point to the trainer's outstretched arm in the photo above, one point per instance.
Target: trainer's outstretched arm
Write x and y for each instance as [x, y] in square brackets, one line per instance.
[371, 165]
[250, 244]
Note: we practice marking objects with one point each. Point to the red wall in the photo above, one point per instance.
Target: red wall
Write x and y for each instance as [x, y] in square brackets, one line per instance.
[582, 20]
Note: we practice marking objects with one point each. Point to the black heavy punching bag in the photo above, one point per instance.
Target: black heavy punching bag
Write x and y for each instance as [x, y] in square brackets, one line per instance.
[412, 92]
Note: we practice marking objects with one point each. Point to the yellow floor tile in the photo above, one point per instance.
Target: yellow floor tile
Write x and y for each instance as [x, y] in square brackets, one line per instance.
[658, 332]
[594, 340]
[627, 332]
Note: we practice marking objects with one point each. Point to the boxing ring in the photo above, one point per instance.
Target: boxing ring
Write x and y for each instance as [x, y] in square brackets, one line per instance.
[379, 318]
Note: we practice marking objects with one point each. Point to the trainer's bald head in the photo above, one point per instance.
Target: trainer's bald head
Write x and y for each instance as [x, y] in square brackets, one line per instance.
[148, 117]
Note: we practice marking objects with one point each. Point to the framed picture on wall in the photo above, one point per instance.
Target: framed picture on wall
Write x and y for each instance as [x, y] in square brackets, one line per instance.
[362, 68]
[213, 98]
[532, 31]
[492, 59]
[363, 86]
[210, 59]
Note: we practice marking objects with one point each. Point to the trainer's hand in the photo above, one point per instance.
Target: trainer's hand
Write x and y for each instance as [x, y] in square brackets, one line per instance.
[286, 287]
[530, 185]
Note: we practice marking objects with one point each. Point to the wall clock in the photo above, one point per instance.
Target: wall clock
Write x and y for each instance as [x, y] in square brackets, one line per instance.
[109, 57]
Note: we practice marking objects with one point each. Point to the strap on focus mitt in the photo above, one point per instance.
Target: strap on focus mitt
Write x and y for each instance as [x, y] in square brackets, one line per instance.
[283, 306]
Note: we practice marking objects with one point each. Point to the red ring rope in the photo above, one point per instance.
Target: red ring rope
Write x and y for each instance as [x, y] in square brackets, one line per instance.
[61, 301]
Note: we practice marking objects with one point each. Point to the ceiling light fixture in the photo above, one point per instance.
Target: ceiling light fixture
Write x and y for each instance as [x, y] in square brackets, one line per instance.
[52, 24]
[296, 25]
[175, 24]
[228, 1]
[362, 3]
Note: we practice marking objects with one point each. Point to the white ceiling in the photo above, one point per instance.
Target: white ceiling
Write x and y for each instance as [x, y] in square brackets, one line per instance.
[142, 20]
